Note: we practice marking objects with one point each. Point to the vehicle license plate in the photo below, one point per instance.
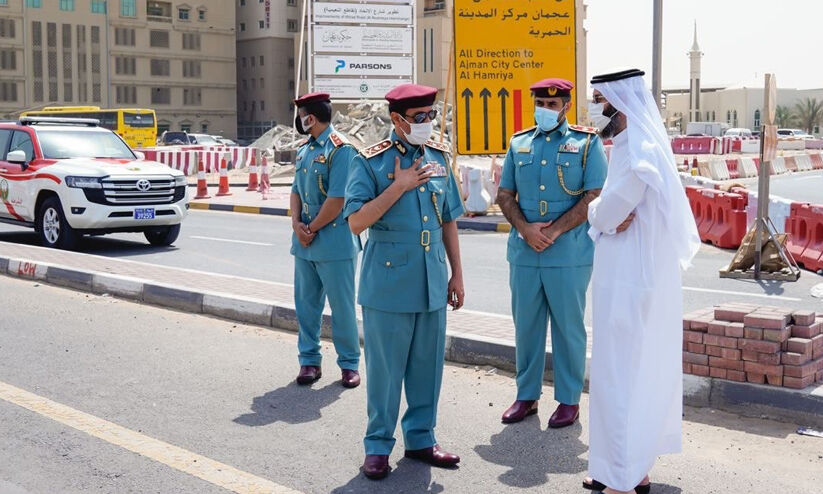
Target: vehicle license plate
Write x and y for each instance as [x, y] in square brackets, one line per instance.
[144, 214]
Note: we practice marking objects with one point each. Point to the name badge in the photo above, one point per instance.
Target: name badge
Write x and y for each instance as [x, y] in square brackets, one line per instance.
[569, 147]
[524, 150]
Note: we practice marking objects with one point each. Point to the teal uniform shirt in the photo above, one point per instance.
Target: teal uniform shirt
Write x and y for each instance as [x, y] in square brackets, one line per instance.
[404, 262]
[550, 171]
[322, 168]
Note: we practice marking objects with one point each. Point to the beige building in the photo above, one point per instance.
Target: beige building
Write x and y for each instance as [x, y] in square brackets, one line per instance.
[175, 57]
[266, 66]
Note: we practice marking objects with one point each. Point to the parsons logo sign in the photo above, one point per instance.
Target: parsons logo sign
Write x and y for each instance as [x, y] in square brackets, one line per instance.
[342, 64]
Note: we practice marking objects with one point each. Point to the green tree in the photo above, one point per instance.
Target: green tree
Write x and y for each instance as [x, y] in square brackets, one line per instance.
[808, 113]
[784, 117]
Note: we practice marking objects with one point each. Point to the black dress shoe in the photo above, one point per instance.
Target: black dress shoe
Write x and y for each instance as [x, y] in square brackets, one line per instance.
[376, 467]
[308, 374]
[434, 456]
[519, 410]
[351, 378]
[600, 487]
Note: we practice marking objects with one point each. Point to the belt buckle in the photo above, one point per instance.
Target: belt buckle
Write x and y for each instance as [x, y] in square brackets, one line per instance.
[425, 238]
[544, 208]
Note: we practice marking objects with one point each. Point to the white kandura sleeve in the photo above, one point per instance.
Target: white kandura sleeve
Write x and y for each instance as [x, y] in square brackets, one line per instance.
[618, 199]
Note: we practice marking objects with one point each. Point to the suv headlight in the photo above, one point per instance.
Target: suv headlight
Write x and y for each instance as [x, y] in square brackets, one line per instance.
[180, 180]
[84, 182]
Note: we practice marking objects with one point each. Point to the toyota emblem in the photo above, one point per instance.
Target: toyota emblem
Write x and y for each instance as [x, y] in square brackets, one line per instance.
[143, 185]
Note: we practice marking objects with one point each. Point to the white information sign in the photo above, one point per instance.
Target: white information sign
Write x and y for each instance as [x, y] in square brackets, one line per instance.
[362, 13]
[353, 65]
[357, 39]
[356, 88]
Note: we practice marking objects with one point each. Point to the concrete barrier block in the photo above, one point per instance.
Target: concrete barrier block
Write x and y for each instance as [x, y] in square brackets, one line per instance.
[4, 265]
[175, 298]
[117, 286]
[69, 278]
[238, 309]
[20, 268]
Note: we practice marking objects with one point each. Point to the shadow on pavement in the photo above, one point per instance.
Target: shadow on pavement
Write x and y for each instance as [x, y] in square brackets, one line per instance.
[292, 404]
[532, 453]
[409, 476]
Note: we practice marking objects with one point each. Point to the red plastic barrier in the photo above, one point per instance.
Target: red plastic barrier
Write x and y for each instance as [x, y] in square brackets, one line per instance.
[732, 166]
[729, 224]
[797, 226]
[812, 256]
[817, 161]
[706, 215]
[692, 145]
[791, 165]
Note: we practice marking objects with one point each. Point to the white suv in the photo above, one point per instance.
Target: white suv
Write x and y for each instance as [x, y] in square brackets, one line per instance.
[70, 177]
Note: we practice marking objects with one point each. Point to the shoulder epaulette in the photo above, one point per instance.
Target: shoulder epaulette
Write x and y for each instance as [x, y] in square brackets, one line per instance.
[336, 140]
[582, 128]
[439, 146]
[524, 131]
[380, 147]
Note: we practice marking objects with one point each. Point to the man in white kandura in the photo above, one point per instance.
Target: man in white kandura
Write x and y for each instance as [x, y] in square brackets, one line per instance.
[644, 233]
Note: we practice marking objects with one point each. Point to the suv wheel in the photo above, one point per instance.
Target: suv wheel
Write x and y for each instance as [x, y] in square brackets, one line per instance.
[54, 230]
[162, 236]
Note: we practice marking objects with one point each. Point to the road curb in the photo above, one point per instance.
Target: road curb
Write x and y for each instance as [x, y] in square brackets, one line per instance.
[462, 224]
[802, 407]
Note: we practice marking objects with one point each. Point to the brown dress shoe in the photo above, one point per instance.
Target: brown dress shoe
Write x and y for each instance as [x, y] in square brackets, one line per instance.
[564, 416]
[351, 378]
[376, 467]
[308, 374]
[434, 456]
[519, 410]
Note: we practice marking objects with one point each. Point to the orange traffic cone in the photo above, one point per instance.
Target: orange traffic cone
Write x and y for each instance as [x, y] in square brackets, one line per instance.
[253, 171]
[223, 188]
[202, 186]
[264, 179]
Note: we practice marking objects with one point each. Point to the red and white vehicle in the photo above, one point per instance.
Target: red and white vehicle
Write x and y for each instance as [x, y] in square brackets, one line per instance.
[68, 177]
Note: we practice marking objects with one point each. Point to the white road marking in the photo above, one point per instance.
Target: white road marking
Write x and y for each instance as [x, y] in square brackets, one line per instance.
[211, 471]
[742, 294]
[232, 241]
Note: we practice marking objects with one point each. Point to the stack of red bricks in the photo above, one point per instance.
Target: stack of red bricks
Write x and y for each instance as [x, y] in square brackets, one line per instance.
[756, 344]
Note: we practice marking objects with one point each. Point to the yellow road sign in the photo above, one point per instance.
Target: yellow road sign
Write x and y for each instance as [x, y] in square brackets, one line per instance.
[501, 48]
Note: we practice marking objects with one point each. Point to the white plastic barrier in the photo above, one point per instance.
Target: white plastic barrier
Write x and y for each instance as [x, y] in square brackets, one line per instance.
[747, 168]
[778, 166]
[791, 143]
[804, 162]
[718, 169]
[750, 146]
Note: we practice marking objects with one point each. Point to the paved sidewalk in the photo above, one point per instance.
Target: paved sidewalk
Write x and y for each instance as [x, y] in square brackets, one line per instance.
[242, 201]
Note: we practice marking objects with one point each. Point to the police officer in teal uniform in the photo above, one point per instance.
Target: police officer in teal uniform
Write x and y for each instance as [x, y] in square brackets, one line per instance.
[550, 175]
[324, 249]
[403, 191]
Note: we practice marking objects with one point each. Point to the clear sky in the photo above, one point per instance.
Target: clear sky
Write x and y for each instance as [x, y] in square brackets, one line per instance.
[740, 39]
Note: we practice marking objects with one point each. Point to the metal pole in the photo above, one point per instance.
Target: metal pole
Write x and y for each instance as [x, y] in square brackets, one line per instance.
[657, 50]
[299, 66]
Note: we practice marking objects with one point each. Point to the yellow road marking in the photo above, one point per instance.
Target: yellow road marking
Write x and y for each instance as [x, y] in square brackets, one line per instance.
[180, 459]
[199, 205]
[247, 209]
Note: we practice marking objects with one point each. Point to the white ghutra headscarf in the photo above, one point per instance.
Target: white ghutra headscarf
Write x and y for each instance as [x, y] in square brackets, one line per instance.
[651, 159]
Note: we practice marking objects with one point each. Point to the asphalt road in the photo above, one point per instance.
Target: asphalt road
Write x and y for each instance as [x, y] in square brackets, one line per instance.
[257, 246]
[213, 391]
[800, 187]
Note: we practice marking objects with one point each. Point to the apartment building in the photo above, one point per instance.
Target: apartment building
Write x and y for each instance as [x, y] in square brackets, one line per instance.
[266, 31]
[175, 57]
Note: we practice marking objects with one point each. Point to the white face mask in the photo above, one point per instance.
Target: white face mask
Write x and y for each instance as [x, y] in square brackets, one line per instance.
[419, 133]
[596, 116]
